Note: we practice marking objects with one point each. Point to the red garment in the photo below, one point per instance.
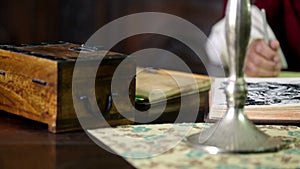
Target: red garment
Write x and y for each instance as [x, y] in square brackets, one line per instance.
[284, 18]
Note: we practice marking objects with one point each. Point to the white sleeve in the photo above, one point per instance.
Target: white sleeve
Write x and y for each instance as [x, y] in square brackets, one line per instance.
[216, 43]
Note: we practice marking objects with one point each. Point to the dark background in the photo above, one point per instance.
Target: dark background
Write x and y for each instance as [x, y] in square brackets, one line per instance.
[35, 21]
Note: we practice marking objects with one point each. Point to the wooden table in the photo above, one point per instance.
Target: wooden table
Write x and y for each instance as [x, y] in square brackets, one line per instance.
[27, 144]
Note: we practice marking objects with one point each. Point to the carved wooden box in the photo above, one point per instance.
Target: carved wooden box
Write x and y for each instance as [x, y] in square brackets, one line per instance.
[36, 83]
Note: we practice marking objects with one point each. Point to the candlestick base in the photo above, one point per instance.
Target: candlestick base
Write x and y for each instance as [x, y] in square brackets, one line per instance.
[235, 133]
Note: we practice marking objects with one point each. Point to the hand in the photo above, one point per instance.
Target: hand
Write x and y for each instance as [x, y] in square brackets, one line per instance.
[263, 60]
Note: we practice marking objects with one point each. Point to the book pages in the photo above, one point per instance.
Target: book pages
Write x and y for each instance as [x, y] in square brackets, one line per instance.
[268, 99]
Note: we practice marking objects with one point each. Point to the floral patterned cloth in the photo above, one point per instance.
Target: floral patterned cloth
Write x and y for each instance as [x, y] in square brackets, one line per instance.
[165, 146]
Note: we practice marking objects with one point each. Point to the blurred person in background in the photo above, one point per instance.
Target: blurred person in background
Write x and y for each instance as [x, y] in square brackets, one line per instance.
[264, 58]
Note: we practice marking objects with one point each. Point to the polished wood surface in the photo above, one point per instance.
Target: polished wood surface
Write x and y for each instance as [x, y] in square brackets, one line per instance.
[27, 144]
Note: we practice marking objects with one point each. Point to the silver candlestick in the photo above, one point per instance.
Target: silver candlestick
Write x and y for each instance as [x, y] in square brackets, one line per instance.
[235, 132]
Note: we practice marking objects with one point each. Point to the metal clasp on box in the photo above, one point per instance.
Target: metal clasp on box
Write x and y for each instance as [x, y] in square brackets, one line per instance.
[2, 72]
[108, 105]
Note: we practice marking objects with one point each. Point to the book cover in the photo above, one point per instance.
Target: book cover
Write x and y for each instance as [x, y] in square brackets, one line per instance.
[156, 85]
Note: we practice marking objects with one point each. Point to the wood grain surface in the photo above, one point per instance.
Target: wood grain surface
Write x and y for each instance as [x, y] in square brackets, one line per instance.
[36, 83]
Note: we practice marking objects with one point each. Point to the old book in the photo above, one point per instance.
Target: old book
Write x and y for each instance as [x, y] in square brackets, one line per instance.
[36, 83]
[168, 84]
[269, 100]
[155, 86]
